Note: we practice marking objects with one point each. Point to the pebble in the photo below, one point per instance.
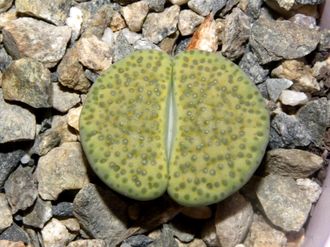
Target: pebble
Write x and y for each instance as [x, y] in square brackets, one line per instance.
[117, 22]
[63, 100]
[87, 243]
[312, 189]
[166, 238]
[299, 73]
[39, 215]
[276, 86]
[6, 218]
[254, 8]
[188, 22]
[21, 189]
[17, 123]
[56, 234]
[235, 34]
[233, 219]
[28, 81]
[284, 204]
[5, 4]
[157, 26]
[200, 213]
[45, 142]
[63, 209]
[121, 48]
[9, 161]
[294, 163]
[249, 64]
[71, 224]
[168, 44]
[63, 168]
[131, 37]
[134, 15]
[261, 234]
[49, 10]
[201, 7]
[137, 241]
[156, 5]
[304, 20]
[293, 98]
[101, 213]
[143, 44]
[325, 40]
[5, 59]
[6, 243]
[27, 37]
[74, 21]
[60, 125]
[183, 232]
[285, 4]
[73, 117]
[94, 53]
[14, 233]
[71, 72]
[275, 40]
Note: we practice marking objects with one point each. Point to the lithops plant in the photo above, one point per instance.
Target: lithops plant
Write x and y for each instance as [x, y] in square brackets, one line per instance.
[193, 125]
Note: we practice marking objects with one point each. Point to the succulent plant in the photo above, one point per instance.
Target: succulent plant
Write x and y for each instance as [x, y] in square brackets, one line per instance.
[193, 125]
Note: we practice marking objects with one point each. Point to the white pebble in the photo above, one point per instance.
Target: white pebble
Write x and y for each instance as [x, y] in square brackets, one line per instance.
[74, 21]
[293, 98]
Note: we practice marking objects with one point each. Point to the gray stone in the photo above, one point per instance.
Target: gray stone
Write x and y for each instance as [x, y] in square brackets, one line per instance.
[6, 218]
[130, 37]
[311, 189]
[5, 59]
[63, 100]
[137, 241]
[56, 234]
[315, 117]
[60, 125]
[134, 15]
[27, 37]
[15, 233]
[45, 142]
[91, 75]
[28, 81]
[39, 215]
[87, 243]
[63, 168]
[121, 48]
[309, 2]
[182, 232]
[21, 189]
[276, 86]
[249, 64]
[233, 219]
[49, 10]
[157, 26]
[63, 209]
[261, 234]
[304, 20]
[166, 238]
[17, 123]
[71, 72]
[201, 7]
[188, 22]
[235, 34]
[254, 7]
[284, 204]
[217, 5]
[182, 45]
[156, 5]
[324, 41]
[9, 161]
[263, 90]
[294, 163]
[101, 213]
[143, 44]
[230, 4]
[275, 40]
[5, 4]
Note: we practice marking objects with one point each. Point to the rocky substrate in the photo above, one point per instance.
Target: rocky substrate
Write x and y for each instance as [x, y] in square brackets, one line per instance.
[52, 51]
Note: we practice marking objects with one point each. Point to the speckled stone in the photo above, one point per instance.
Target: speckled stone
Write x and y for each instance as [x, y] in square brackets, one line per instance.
[201, 7]
[134, 15]
[138, 240]
[15, 234]
[6, 218]
[73, 117]
[156, 5]
[62, 98]
[5, 59]
[17, 123]
[56, 234]
[63, 168]
[249, 64]
[9, 161]
[45, 142]
[39, 215]
[188, 21]
[293, 98]
[121, 48]
[60, 125]
[63, 209]
[27, 37]
[276, 86]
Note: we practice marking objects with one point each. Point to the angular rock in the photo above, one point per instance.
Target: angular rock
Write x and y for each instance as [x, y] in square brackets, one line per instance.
[39, 215]
[94, 53]
[293, 98]
[21, 189]
[49, 10]
[261, 234]
[63, 100]
[74, 21]
[325, 40]
[275, 40]
[63, 168]
[71, 72]
[233, 219]
[60, 125]
[6, 218]
[121, 47]
[5, 4]
[235, 34]
[55, 234]
[276, 86]
[6, 243]
[285, 4]
[28, 81]
[157, 26]
[143, 44]
[156, 5]
[254, 7]
[249, 64]
[315, 116]
[71, 224]
[312, 189]
[87, 243]
[17, 123]
[134, 15]
[294, 163]
[14, 233]
[45, 142]
[117, 22]
[284, 204]
[5, 59]
[9, 161]
[73, 117]
[101, 213]
[63, 209]
[188, 21]
[169, 43]
[299, 73]
[130, 37]
[138, 240]
[201, 7]
[182, 231]
[166, 238]
[304, 20]
[27, 37]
